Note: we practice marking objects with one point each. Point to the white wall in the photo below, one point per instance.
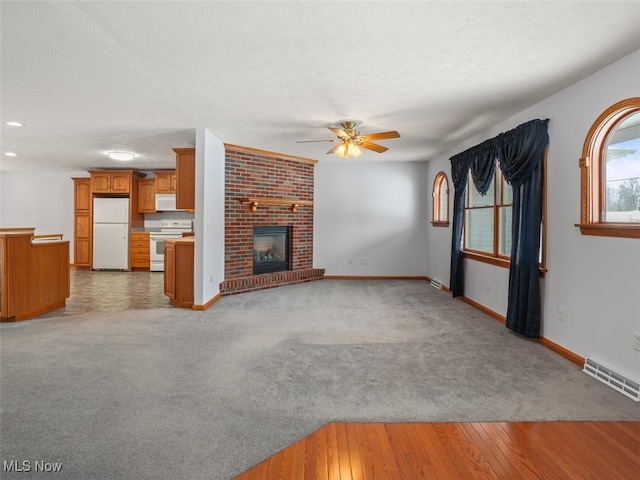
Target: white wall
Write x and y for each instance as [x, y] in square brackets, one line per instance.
[596, 279]
[370, 209]
[209, 217]
[43, 200]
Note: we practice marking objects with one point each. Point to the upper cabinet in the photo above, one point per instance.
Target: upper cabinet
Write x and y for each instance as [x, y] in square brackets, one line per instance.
[147, 196]
[185, 178]
[166, 181]
[112, 181]
[82, 194]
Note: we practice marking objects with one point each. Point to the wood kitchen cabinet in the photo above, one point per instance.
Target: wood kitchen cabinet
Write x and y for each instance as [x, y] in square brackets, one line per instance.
[185, 178]
[178, 271]
[82, 194]
[139, 251]
[166, 181]
[82, 202]
[111, 182]
[34, 275]
[114, 181]
[147, 196]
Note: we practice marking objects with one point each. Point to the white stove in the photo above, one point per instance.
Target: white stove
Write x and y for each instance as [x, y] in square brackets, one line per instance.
[168, 229]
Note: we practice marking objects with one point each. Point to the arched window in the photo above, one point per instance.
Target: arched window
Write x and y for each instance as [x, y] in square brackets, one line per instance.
[440, 211]
[610, 173]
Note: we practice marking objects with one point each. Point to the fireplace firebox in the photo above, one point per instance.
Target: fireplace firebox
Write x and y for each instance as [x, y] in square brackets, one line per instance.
[270, 249]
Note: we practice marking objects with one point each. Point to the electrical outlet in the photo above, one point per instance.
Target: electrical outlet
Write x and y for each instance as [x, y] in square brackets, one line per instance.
[364, 261]
[487, 285]
[350, 261]
[636, 341]
[561, 313]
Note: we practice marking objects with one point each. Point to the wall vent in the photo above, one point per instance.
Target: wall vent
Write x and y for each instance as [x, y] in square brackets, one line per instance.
[614, 380]
[436, 283]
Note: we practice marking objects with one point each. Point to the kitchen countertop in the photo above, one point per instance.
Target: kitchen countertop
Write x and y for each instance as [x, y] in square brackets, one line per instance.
[181, 240]
[145, 230]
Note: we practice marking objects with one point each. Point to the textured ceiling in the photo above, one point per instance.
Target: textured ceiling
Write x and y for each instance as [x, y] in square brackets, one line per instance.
[87, 77]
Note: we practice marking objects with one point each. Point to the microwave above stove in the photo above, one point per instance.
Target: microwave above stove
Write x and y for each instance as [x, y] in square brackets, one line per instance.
[166, 202]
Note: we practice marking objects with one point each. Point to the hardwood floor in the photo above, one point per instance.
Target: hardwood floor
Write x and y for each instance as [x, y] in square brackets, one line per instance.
[442, 451]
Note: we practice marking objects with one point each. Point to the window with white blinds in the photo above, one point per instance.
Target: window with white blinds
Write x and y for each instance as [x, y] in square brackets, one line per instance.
[487, 218]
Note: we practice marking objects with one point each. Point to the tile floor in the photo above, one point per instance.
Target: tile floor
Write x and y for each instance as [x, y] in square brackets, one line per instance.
[102, 291]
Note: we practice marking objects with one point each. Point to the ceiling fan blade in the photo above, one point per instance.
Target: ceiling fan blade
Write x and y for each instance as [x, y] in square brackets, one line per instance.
[339, 132]
[373, 146]
[334, 148]
[313, 141]
[381, 135]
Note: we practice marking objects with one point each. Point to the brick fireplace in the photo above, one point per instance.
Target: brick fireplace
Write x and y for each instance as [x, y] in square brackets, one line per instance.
[264, 189]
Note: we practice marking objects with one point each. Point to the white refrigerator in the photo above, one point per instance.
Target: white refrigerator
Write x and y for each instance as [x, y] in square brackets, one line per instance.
[110, 233]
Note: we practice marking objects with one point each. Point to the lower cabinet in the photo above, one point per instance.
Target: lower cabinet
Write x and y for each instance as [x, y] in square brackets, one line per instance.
[139, 251]
[178, 271]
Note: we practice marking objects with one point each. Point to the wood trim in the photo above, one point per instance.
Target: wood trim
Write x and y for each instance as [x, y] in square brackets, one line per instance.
[13, 230]
[53, 236]
[436, 196]
[592, 192]
[484, 309]
[184, 150]
[256, 151]
[560, 350]
[208, 304]
[293, 203]
[372, 277]
[624, 230]
[491, 260]
[497, 261]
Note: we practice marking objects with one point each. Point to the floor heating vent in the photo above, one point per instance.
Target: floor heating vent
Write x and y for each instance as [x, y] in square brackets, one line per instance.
[613, 379]
[436, 283]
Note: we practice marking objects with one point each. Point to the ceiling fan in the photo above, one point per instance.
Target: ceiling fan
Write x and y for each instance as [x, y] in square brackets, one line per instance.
[349, 140]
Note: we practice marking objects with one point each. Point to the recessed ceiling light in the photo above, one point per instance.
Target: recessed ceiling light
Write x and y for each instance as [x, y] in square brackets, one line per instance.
[11, 154]
[121, 156]
[15, 124]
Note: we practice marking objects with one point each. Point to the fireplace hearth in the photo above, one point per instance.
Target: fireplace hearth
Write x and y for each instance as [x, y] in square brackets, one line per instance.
[270, 249]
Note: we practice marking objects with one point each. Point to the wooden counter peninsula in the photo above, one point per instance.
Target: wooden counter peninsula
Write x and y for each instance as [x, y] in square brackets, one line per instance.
[34, 273]
[178, 271]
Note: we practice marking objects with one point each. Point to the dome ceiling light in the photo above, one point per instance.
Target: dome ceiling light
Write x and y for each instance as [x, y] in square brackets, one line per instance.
[121, 156]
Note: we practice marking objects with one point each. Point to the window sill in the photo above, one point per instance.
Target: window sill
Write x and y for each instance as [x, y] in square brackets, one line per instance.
[625, 230]
[440, 224]
[497, 261]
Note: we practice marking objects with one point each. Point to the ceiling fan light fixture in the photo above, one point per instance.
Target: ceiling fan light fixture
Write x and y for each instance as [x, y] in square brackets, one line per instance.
[348, 149]
[121, 156]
